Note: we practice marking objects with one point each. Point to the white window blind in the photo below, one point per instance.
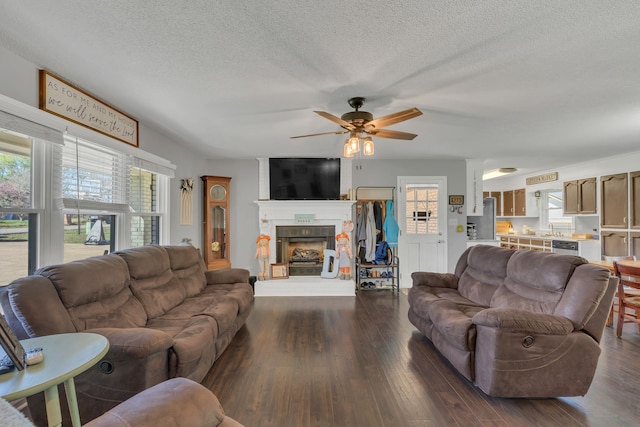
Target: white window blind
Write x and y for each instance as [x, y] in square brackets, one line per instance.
[94, 178]
[154, 167]
[27, 127]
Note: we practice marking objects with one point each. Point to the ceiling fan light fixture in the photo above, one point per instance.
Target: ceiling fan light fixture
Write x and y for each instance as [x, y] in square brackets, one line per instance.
[498, 172]
[347, 150]
[368, 146]
[354, 143]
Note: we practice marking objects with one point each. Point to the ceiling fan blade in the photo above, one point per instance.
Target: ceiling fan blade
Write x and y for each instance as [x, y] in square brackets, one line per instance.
[392, 134]
[318, 134]
[392, 119]
[337, 120]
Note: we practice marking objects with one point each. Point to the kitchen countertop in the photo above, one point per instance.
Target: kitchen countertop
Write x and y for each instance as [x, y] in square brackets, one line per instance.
[531, 236]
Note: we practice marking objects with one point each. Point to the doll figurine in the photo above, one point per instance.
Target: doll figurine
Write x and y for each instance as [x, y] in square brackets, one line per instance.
[263, 253]
[343, 254]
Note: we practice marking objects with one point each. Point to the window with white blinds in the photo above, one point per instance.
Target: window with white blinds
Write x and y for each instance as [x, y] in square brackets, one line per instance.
[67, 197]
[144, 202]
[94, 178]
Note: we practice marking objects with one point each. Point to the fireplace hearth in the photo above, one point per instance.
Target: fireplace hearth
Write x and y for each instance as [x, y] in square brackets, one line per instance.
[302, 247]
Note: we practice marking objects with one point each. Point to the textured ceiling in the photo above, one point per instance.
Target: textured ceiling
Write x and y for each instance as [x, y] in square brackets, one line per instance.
[529, 84]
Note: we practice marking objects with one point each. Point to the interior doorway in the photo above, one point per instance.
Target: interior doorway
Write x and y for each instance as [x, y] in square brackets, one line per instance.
[422, 217]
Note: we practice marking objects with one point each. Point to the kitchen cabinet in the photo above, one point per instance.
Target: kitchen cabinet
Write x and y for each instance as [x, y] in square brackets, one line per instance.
[634, 189]
[498, 196]
[507, 203]
[614, 201]
[533, 244]
[614, 243]
[580, 196]
[518, 203]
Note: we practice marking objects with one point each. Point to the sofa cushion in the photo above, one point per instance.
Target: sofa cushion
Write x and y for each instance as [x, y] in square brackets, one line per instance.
[241, 293]
[189, 268]
[194, 348]
[152, 280]
[421, 298]
[222, 309]
[453, 321]
[486, 271]
[535, 281]
[96, 293]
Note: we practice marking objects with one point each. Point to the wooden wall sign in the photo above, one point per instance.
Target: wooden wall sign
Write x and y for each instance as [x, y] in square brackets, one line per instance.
[71, 103]
[456, 200]
[539, 179]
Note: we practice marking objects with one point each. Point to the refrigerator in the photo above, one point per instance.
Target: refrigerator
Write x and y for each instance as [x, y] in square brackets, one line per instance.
[483, 227]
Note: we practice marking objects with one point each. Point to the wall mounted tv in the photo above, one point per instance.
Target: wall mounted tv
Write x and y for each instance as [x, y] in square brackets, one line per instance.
[304, 179]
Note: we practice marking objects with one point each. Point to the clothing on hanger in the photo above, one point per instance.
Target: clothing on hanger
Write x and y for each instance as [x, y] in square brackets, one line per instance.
[370, 228]
[377, 215]
[390, 226]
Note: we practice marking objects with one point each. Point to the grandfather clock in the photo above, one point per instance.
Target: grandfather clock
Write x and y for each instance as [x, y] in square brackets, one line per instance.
[217, 233]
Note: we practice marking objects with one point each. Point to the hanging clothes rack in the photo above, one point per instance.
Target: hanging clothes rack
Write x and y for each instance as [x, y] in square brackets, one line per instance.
[370, 235]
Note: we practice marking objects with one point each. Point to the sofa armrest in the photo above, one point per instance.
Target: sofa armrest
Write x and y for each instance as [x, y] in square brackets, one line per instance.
[523, 321]
[136, 343]
[437, 280]
[227, 275]
[175, 402]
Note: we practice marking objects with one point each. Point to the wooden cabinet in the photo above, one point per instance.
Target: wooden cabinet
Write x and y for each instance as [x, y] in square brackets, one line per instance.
[570, 201]
[634, 190]
[614, 196]
[517, 203]
[533, 244]
[217, 231]
[498, 196]
[508, 203]
[614, 243]
[580, 196]
[520, 202]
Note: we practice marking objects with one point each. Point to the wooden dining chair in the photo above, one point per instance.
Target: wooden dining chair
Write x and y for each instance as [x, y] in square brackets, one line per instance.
[614, 306]
[628, 295]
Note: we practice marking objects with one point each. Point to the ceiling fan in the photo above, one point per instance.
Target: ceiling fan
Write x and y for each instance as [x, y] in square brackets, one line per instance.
[359, 123]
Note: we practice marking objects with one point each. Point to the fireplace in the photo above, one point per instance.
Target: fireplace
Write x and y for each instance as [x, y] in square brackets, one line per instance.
[273, 214]
[302, 247]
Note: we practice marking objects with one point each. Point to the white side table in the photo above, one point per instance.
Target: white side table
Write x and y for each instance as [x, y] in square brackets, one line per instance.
[65, 356]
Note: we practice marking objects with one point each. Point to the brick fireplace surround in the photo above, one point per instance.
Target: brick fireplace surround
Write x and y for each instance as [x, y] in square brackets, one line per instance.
[274, 213]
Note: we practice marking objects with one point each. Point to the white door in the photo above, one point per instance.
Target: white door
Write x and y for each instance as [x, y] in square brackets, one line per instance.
[422, 218]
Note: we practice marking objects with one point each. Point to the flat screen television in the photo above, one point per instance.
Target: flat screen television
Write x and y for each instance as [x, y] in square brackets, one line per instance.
[304, 179]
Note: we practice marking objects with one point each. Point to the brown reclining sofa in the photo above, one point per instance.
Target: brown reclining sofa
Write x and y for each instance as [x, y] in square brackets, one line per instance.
[164, 315]
[516, 323]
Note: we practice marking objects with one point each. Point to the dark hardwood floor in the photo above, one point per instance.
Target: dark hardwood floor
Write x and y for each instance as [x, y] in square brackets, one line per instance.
[358, 362]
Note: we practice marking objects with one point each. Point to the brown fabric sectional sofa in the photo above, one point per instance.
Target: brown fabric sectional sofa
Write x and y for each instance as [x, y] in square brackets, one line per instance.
[516, 323]
[164, 315]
